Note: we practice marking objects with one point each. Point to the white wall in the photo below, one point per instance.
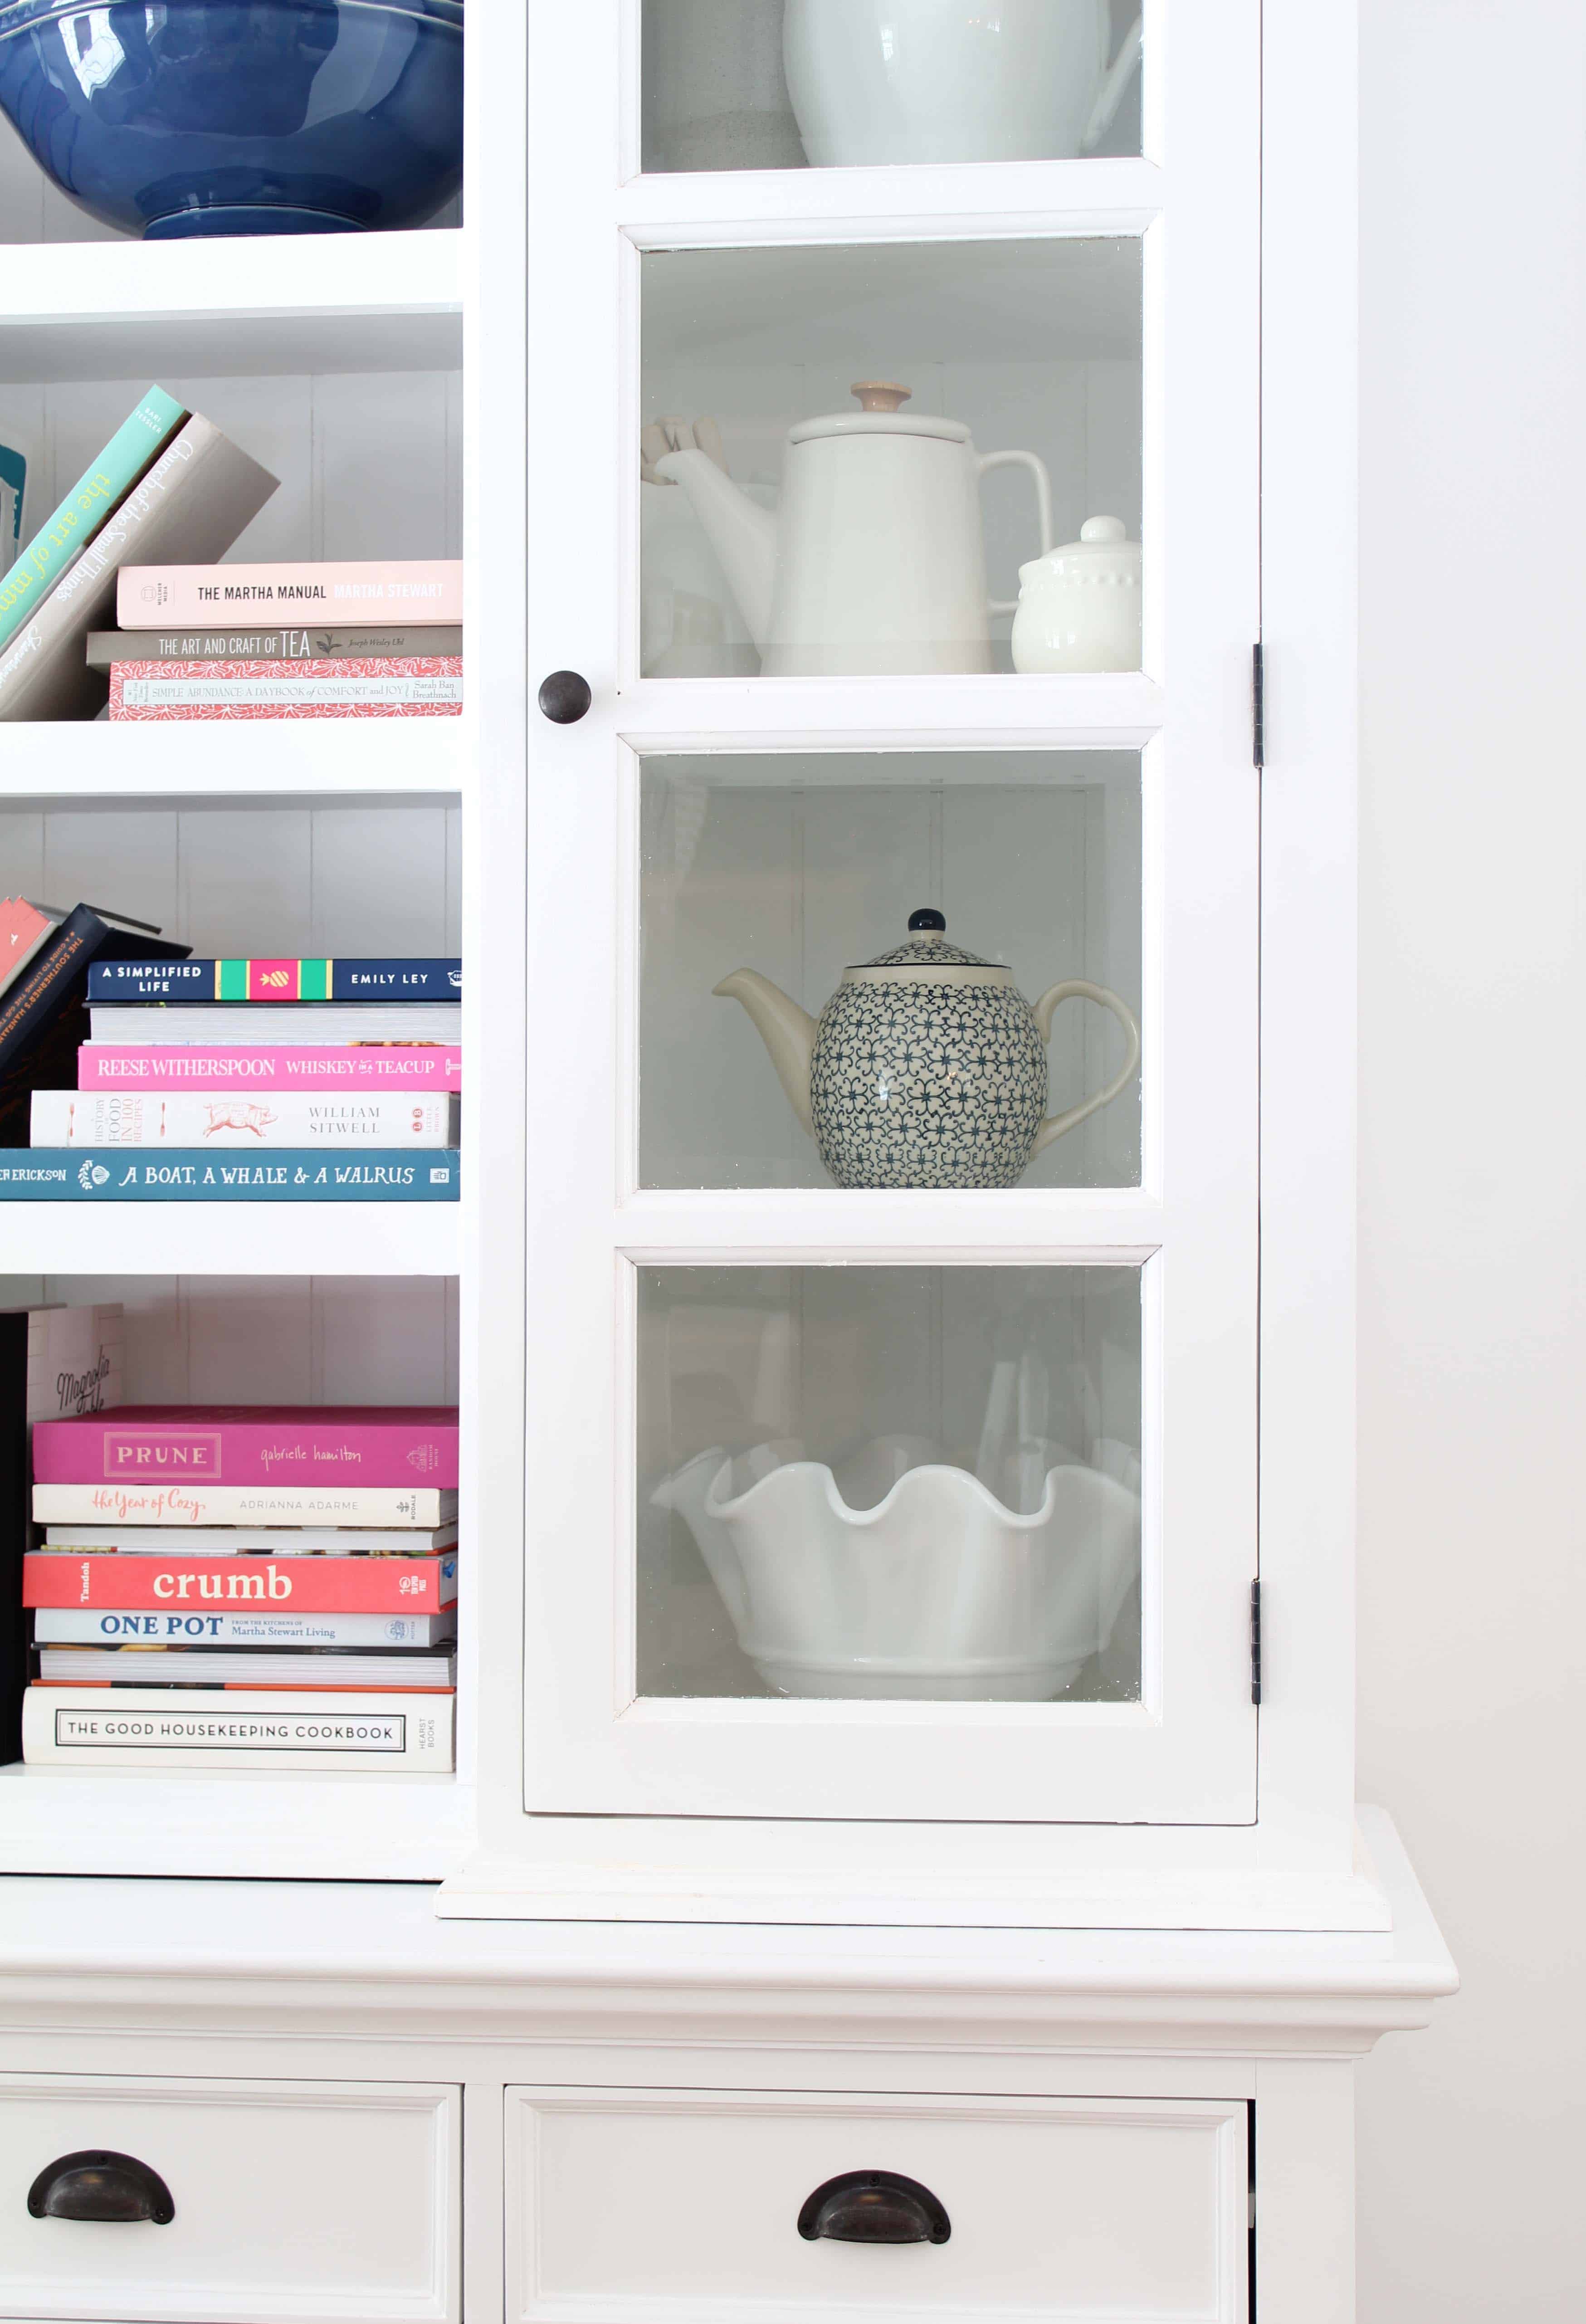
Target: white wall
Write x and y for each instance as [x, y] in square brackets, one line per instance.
[1473, 1136]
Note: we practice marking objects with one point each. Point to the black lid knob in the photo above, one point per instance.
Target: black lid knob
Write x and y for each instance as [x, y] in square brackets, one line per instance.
[565, 696]
[927, 918]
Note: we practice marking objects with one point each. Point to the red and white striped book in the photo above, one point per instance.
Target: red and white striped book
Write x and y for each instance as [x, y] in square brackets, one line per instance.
[421, 686]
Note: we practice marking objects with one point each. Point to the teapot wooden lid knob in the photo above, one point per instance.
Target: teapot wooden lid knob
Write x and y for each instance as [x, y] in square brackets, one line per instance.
[879, 395]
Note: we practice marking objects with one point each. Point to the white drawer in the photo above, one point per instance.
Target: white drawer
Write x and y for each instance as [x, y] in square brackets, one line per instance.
[630, 2205]
[305, 2201]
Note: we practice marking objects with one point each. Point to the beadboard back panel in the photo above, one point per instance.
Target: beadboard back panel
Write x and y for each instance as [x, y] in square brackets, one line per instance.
[369, 464]
[251, 879]
[273, 1339]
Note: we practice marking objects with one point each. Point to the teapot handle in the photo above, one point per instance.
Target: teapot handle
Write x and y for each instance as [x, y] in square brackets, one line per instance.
[1110, 95]
[1037, 468]
[1077, 988]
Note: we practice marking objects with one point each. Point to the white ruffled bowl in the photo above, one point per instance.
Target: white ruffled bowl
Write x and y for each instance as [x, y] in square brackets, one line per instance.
[937, 1593]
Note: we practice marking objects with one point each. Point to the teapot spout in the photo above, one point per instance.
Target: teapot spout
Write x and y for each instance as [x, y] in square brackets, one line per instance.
[787, 1031]
[743, 534]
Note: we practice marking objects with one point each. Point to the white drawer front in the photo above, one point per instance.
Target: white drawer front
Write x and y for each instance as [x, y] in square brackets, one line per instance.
[629, 2205]
[318, 2203]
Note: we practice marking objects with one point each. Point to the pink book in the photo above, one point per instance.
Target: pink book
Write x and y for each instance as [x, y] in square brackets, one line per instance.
[104, 1064]
[176, 596]
[428, 685]
[368, 1445]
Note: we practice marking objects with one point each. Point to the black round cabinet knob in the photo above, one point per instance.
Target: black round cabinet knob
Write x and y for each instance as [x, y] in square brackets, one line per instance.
[565, 696]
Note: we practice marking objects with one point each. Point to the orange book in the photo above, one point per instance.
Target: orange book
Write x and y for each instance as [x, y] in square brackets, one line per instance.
[24, 927]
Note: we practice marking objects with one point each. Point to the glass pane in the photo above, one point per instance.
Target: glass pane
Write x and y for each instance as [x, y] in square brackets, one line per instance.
[856, 460]
[926, 1073]
[773, 84]
[887, 1483]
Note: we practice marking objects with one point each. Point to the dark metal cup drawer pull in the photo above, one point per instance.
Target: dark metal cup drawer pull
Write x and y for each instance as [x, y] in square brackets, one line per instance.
[874, 2207]
[99, 2184]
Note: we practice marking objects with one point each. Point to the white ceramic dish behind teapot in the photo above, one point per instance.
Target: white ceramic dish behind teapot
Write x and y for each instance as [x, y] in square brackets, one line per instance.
[875, 560]
[926, 1068]
[953, 80]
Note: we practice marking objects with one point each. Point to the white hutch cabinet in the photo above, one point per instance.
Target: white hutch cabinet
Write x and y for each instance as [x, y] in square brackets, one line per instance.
[903, 1850]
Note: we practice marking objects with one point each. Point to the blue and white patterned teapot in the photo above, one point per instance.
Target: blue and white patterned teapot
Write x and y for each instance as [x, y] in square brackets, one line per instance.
[926, 1068]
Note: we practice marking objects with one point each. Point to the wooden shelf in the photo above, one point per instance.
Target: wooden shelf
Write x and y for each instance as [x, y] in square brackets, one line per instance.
[266, 1239]
[236, 1825]
[259, 306]
[928, 202]
[306, 758]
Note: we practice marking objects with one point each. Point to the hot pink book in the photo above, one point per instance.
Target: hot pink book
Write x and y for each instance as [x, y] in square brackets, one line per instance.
[250, 1445]
[369, 1066]
[428, 685]
[177, 596]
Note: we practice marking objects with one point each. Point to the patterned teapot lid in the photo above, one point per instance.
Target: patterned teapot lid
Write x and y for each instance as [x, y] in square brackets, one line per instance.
[927, 947]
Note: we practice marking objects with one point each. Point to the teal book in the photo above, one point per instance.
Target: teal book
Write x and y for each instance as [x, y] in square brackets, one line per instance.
[117, 1174]
[92, 500]
[13, 484]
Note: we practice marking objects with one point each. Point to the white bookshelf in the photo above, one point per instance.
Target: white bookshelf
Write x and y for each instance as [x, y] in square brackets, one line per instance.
[265, 305]
[231, 1239]
[337, 362]
[408, 759]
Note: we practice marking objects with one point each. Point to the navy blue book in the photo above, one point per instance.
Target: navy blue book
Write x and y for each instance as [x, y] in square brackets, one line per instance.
[117, 1174]
[275, 980]
[41, 1015]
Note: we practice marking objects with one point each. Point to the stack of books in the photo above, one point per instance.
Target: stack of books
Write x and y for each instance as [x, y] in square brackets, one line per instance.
[299, 1562]
[167, 484]
[312, 641]
[54, 1361]
[278, 1079]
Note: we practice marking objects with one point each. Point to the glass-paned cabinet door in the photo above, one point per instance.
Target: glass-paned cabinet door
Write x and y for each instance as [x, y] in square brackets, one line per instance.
[893, 912]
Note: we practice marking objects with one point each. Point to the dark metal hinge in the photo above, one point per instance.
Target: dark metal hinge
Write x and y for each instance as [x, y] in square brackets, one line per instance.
[1255, 1641]
[1258, 707]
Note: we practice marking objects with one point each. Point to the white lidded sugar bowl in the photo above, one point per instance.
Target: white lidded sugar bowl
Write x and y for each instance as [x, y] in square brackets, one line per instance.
[927, 1066]
[1079, 606]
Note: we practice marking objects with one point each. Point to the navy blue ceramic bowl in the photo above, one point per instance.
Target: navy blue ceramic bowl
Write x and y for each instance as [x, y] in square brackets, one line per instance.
[241, 116]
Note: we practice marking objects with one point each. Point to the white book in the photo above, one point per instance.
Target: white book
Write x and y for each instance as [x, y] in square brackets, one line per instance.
[75, 1361]
[194, 1119]
[278, 1541]
[273, 1024]
[244, 1505]
[86, 1626]
[322, 1668]
[168, 1727]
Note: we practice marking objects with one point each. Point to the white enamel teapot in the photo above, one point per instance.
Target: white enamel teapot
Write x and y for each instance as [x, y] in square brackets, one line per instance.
[875, 560]
[953, 80]
[926, 1068]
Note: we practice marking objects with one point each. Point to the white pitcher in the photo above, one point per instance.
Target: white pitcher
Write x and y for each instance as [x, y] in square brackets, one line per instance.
[875, 560]
[953, 80]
